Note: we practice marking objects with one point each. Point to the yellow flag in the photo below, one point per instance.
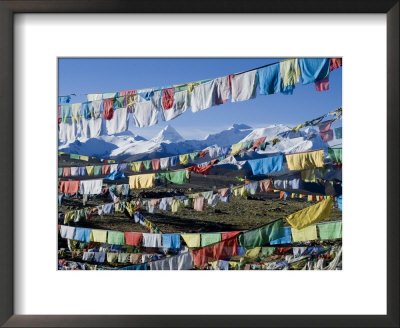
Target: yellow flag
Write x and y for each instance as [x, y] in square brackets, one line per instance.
[311, 214]
[308, 233]
[136, 166]
[239, 191]
[191, 239]
[184, 159]
[290, 71]
[142, 181]
[148, 224]
[251, 253]
[236, 148]
[112, 257]
[306, 160]
[90, 170]
[98, 236]
[192, 85]
[233, 264]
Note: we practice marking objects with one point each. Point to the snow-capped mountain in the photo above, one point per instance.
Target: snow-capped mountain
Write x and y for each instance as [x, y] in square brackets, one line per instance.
[269, 132]
[168, 135]
[229, 136]
[130, 147]
[289, 141]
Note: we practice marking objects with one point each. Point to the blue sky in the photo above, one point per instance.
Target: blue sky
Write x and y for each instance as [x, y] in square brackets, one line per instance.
[100, 75]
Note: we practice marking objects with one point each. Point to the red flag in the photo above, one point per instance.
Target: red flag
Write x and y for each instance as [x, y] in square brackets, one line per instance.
[335, 63]
[168, 98]
[221, 250]
[108, 111]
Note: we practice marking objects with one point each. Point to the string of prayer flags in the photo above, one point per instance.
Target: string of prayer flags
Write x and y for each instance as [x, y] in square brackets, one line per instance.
[272, 78]
[307, 258]
[164, 163]
[84, 119]
[216, 248]
[311, 214]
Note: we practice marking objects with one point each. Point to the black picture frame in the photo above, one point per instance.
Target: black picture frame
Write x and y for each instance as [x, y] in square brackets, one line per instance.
[7, 11]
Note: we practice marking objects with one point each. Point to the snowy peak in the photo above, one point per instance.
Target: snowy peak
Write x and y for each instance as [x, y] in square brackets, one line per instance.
[168, 135]
[229, 136]
[269, 132]
[240, 127]
[129, 133]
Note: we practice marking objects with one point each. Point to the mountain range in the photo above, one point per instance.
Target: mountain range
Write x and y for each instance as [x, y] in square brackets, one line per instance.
[127, 146]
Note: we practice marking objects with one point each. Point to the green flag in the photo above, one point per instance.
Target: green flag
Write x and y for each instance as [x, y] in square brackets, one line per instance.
[335, 154]
[177, 177]
[262, 236]
[115, 238]
[331, 230]
[147, 164]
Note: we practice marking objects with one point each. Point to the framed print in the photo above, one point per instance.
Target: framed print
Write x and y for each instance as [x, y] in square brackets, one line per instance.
[194, 166]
